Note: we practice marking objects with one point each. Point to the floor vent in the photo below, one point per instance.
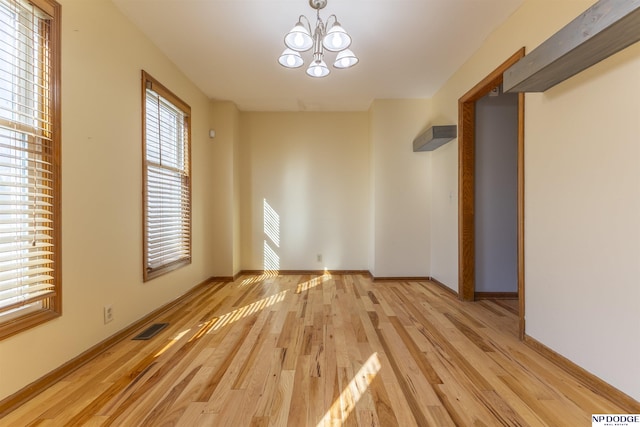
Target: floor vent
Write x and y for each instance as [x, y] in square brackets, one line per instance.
[151, 331]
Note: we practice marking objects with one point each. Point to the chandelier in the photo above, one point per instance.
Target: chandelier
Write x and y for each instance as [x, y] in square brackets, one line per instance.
[330, 37]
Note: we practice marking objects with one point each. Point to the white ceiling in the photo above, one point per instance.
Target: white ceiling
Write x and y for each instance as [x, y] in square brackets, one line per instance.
[229, 48]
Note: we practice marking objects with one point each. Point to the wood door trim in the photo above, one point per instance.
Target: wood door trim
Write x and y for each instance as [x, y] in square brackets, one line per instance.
[466, 184]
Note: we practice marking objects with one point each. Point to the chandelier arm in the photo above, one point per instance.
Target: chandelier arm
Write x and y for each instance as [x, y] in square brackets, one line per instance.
[307, 22]
[335, 20]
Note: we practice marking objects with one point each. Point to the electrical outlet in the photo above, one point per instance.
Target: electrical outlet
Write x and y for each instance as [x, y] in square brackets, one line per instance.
[319, 257]
[108, 314]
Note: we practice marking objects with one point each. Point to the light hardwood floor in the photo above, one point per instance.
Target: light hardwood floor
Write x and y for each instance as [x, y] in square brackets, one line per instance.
[321, 351]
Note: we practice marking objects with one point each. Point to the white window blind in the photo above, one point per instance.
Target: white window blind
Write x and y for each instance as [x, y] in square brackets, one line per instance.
[167, 180]
[29, 166]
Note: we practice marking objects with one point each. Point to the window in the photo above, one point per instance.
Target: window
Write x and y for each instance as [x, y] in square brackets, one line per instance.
[30, 259]
[167, 179]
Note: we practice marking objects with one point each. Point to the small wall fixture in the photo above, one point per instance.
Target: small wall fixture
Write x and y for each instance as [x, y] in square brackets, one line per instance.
[434, 137]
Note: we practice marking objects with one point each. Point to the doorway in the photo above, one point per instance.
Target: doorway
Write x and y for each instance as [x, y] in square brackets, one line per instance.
[466, 183]
[496, 197]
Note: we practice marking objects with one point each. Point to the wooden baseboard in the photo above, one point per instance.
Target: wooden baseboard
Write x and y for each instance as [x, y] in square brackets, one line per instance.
[11, 402]
[400, 279]
[253, 273]
[353, 272]
[336, 273]
[589, 380]
[223, 279]
[495, 295]
[301, 272]
[443, 286]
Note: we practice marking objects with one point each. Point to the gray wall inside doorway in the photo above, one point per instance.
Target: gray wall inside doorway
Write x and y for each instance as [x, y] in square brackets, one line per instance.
[496, 194]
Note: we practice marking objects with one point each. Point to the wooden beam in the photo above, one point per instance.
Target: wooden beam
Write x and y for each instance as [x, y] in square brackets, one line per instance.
[602, 30]
[434, 137]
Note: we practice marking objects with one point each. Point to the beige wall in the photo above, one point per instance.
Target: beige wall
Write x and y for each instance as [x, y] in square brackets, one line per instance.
[583, 219]
[400, 189]
[344, 185]
[102, 55]
[237, 199]
[582, 196]
[444, 211]
[312, 169]
[223, 212]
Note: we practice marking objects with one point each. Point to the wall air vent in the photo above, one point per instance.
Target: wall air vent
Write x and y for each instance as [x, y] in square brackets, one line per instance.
[434, 137]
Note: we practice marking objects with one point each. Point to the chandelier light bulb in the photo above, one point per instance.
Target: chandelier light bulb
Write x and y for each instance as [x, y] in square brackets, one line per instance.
[318, 68]
[336, 38]
[345, 59]
[290, 59]
[299, 38]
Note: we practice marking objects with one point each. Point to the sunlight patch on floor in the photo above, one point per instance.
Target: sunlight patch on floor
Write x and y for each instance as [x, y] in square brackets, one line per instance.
[247, 310]
[312, 283]
[259, 278]
[354, 391]
[172, 342]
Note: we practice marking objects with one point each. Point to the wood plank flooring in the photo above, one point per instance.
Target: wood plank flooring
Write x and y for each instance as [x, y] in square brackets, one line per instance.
[321, 351]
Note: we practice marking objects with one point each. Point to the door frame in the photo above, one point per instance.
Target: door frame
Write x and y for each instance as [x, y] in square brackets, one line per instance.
[466, 185]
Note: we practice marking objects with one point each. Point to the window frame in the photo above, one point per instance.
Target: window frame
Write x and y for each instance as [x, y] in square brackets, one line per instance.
[51, 305]
[149, 82]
